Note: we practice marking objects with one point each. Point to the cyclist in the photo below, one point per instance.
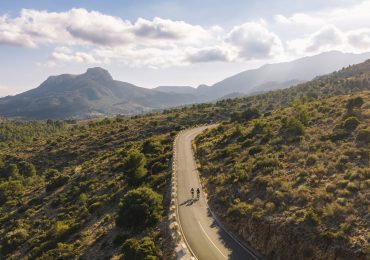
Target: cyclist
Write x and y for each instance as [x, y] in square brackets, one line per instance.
[192, 192]
[198, 193]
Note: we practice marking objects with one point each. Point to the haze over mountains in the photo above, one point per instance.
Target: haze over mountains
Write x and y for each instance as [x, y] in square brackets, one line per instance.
[275, 76]
[97, 93]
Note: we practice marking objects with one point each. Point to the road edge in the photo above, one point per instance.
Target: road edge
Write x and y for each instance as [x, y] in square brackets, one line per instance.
[255, 254]
[182, 250]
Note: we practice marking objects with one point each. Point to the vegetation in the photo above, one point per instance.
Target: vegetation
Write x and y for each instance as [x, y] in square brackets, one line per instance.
[297, 157]
[317, 182]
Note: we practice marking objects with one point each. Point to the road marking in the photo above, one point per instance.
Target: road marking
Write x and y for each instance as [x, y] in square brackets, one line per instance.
[211, 240]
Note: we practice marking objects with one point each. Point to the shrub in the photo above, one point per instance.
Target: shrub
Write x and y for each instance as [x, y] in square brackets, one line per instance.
[311, 160]
[292, 127]
[354, 102]
[311, 218]
[143, 249]
[351, 123]
[61, 252]
[239, 210]
[27, 169]
[135, 167]
[12, 171]
[13, 239]
[152, 146]
[251, 113]
[338, 134]
[10, 190]
[57, 182]
[140, 208]
[363, 136]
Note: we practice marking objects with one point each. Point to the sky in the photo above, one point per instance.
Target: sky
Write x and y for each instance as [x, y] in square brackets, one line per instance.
[177, 43]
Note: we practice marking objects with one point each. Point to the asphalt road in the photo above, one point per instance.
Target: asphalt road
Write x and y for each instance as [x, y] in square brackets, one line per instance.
[205, 238]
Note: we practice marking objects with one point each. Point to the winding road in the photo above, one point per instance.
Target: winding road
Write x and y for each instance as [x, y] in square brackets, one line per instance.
[205, 238]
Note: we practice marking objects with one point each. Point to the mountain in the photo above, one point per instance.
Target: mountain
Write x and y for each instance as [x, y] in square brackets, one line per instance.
[177, 89]
[277, 76]
[92, 93]
[280, 75]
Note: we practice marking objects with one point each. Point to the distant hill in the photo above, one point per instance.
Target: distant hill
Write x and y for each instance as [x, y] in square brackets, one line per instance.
[89, 94]
[277, 76]
[96, 93]
[282, 75]
[177, 89]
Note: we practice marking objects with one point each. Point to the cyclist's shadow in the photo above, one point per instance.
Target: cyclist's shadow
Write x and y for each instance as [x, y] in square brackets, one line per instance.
[187, 203]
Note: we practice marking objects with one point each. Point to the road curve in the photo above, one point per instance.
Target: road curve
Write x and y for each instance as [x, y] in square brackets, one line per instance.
[203, 235]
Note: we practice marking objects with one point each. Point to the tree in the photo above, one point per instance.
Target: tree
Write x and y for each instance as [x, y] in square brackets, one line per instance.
[140, 208]
[143, 249]
[135, 167]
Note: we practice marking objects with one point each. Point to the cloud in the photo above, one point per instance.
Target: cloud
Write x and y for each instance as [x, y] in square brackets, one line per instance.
[209, 55]
[359, 39]
[332, 38]
[159, 29]
[254, 41]
[12, 35]
[327, 37]
[94, 37]
[66, 55]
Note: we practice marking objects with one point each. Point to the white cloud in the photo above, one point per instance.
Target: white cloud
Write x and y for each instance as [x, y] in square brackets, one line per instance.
[343, 29]
[331, 38]
[67, 55]
[94, 37]
[254, 41]
[359, 39]
[210, 55]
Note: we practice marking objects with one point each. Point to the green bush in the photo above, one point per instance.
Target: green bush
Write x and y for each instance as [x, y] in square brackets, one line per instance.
[61, 252]
[338, 134]
[12, 171]
[351, 123]
[151, 146]
[135, 167]
[56, 182]
[292, 127]
[140, 249]
[13, 239]
[27, 169]
[356, 102]
[363, 136]
[10, 190]
[140, 208]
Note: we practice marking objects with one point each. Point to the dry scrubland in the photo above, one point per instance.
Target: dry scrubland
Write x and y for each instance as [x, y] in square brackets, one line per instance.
[290, 169]
[302, 173]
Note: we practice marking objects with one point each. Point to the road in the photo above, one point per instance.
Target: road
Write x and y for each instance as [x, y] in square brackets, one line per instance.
[204, 237]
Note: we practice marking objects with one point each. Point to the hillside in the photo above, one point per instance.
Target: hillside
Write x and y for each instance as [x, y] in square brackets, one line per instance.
[294, 182]
[67, 187]
[93, 93]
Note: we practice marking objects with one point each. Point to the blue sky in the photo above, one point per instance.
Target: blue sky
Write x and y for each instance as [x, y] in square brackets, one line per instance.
[151, 43]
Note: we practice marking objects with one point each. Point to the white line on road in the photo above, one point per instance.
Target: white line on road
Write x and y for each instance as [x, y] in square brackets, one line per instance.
[211, 240]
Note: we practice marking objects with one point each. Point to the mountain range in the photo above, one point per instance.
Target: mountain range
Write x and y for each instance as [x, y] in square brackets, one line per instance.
[96, 93]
